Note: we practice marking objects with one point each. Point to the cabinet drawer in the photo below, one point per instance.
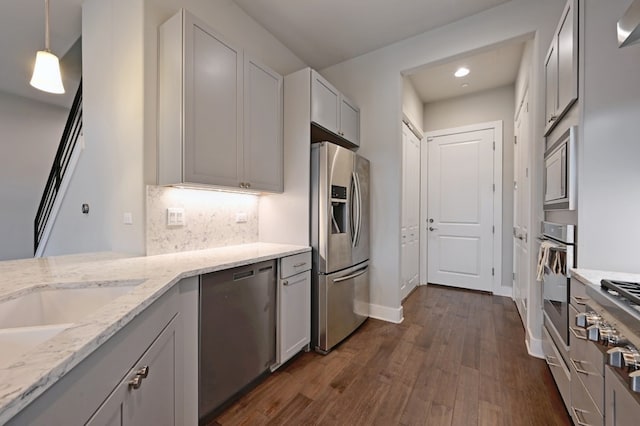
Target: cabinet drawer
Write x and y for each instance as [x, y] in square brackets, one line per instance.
[578, 294]
[295, 264]
[557, 366]
[583, 409]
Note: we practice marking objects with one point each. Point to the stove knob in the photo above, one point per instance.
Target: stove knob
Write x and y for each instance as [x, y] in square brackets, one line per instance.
[616, 356]
[593, 332]
[585, 319]
[634, 381]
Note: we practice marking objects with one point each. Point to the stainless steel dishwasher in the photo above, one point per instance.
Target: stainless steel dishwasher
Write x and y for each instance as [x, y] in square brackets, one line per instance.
[237, 331]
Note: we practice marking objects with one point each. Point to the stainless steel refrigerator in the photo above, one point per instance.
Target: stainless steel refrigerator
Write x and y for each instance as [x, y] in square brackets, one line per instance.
[340, 240]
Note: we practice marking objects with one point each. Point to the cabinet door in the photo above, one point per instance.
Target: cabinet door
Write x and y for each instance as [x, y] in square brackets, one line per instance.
[551, 87]
[295, 314]
[325, 103]
[262, 144]
[153, 402]
[349, 121]
[622, 406]
[212, 107]
[567, 59]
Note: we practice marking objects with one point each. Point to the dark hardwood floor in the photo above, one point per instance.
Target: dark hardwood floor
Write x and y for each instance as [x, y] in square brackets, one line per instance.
[458, 358]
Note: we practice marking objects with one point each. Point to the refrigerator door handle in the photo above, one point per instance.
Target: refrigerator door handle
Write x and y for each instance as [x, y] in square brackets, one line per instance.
[359, 223]
[355, 209]
[351, 276]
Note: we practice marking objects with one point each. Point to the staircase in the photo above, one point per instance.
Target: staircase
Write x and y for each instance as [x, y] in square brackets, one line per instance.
[63, 163]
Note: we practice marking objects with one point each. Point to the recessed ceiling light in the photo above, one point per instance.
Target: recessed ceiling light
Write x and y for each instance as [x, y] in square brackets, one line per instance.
[465, 84]
[461, 72]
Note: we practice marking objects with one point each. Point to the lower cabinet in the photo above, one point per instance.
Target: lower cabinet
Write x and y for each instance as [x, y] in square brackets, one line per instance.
[294, 311]
[622, 405]
[136, 377]
[147, 393]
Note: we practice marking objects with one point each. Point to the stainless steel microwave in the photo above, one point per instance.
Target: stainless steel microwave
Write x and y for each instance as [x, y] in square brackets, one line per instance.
[560, 173]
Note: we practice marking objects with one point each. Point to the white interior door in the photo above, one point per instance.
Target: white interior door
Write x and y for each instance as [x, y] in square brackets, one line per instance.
[410, 247]
[521, 209]
[460, 210]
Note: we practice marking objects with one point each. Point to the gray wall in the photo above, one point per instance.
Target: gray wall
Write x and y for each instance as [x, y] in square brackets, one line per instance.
[489, 105]
[30, 132]
[609, 168]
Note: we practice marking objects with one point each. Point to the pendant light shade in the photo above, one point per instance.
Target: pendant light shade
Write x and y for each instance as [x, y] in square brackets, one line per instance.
[46, 71]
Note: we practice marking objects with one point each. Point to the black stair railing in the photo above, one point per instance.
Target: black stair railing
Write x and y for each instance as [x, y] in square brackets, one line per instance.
[72, 131]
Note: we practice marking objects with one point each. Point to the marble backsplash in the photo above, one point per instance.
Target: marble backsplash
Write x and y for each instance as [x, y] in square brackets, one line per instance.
[210, 219]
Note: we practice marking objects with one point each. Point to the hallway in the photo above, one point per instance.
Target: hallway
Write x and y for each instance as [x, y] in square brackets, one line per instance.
[458, 358]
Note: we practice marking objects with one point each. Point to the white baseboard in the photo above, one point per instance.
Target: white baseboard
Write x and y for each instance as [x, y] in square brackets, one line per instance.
[385, 313]
[504, 291]
[534, 346]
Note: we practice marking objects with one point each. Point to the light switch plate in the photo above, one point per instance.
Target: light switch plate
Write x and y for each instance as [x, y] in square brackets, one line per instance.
[175, 216]
[127, 218]
[241, 217]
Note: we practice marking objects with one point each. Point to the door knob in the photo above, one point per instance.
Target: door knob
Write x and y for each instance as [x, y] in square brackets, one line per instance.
[431, 228]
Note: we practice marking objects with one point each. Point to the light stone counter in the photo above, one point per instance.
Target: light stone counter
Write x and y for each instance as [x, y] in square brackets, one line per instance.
[23, 381]
[592, 277]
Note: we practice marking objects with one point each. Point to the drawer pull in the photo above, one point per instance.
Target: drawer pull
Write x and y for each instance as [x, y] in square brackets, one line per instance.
[548, 358]
[578, 369]
[580, 300]
[141, 374]
[578, 336]
[577, 413]
[297, 265]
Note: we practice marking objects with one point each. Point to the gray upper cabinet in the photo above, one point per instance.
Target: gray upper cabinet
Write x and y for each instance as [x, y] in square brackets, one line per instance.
[333, 111]
[222, 126]
[263, 144]
[561, 67]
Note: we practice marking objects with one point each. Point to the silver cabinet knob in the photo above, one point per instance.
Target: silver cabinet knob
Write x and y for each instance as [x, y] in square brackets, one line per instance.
[143, 372]
[431, 228]
[616, 357]
[135, 382]
[634, 381]
[586, 319]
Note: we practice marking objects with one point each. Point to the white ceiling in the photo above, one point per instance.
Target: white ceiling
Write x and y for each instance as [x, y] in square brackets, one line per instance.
[22, 34]
[489, 69]
[326, 32]
[321, 33]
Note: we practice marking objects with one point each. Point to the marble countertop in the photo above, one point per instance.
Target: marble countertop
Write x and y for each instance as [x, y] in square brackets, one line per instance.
[23, 381]
[592, 277]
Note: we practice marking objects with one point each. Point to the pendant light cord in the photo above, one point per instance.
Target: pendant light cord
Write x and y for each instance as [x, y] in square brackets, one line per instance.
[46, 26]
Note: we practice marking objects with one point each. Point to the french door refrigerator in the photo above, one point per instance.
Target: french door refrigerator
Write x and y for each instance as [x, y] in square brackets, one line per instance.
[340, 240]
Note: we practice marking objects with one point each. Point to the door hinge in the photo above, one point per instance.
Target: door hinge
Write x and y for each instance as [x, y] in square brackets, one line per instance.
[494, 145]
[494, 187]
[515, 140]
[493, 230]
[429, 139]
[514, 276]
[493, 271]
[526, 172]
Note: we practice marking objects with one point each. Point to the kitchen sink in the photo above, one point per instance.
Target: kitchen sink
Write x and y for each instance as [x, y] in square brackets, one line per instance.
[58, 305]
[17, 341]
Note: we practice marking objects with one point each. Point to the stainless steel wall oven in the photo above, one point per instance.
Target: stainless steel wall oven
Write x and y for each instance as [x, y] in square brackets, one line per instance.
[560, 239]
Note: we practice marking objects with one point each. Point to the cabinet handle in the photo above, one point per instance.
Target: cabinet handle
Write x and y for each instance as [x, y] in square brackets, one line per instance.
[580, 300]
[577, 413]
[579, 370]
[297, 265]
[553, 118]
[575, 333]
[241, 184]
[247, 185]
[143, 372]
[135, 382]
[548, 358]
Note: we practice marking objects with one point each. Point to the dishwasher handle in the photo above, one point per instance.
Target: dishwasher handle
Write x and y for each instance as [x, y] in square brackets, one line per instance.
[243, 275]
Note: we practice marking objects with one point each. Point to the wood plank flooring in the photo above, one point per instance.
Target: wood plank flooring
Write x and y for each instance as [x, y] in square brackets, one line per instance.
[458, 358]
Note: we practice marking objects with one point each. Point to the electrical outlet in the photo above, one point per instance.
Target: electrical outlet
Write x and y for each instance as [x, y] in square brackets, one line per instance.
[241, 217]
[175, 216]
[127, 218]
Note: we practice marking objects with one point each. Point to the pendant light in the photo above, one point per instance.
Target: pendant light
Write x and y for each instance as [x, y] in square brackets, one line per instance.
[46, 72]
